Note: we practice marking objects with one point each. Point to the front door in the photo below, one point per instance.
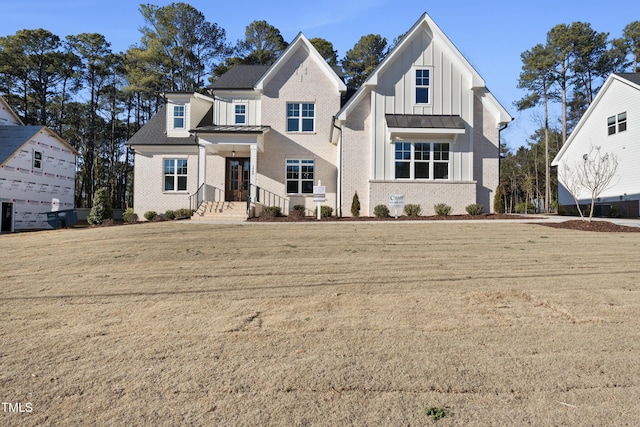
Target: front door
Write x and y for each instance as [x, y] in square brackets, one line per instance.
[7, 217]
[237, 185]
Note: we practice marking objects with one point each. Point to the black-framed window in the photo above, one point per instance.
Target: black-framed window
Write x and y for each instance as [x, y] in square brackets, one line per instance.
[175, 175]
[299, 179]
[423, 77]
[300, 117]
[617, 123]
[422, 160]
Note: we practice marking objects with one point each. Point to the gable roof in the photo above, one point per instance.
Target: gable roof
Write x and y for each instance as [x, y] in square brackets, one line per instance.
[632, 80]
[5, 106]
[301, 42]
[424, 23]
[13, 137]
[154, 132]
[240, 77]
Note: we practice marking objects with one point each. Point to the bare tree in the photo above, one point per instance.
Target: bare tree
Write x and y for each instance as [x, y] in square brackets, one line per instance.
[594, 174]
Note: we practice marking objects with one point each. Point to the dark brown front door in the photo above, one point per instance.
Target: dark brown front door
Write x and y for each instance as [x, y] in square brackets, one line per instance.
[7, 216]
[237, 185]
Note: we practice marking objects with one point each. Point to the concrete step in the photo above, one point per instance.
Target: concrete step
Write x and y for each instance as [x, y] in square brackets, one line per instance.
[236, 211]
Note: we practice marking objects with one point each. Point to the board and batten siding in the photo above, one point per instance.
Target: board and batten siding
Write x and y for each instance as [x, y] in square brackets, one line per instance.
[225, 104]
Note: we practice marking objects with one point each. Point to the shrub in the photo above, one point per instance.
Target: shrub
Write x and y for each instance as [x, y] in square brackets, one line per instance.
[442, 209]
[355, 205]
[498, 201]
[184, 213]
[325, 211]
[101, 208]
[474, 209]
[381, 211]
[271, 211]
[150, 215]
[412, 210]
[170, 215]
[525, 207]
[129, 216]
[299, 211]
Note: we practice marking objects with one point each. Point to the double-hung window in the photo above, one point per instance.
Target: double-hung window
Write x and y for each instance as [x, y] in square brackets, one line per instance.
[175, 175]
[37, 160]
[422, 85]
[241, 114]
[617, 123]
[422, 160]
[300, 117]
[299, 178]
[178, 116]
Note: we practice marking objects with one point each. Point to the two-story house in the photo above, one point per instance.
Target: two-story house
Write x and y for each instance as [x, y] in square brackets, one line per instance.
[423, 125]
[610, 124]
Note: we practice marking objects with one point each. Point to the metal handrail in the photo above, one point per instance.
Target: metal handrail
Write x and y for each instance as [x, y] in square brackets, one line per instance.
[206, 193]
[269, 198]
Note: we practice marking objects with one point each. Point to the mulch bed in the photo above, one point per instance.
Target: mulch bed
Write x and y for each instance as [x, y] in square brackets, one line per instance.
[600, 226]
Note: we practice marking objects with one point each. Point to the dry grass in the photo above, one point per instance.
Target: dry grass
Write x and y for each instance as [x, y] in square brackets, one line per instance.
[320, 324]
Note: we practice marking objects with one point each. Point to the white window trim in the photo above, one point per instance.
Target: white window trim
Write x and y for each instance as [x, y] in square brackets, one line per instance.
[300, 179]
[184, 116]
[414, 85]
[412, 161]
[300, 117]
[175, 175]
[615, 125]
[235, 114]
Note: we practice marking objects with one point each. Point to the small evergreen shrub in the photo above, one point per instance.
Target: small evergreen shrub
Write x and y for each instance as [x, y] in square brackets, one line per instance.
[150, 215]
[355, 205]
[381, 211]
[129, 216]
[170, 215]
[442, 209]
[498, 201]
[474, 209]
[101, 208]
[184, 213]
[272, 211]
[298, 211]
[412, 210]
[325, 211]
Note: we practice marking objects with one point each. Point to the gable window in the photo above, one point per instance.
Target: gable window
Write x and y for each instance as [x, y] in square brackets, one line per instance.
[617, 123]
[241, 114]
[299, 178]
[300, 117]
[422, 86]
[175, 175]
[422, 160]
[37, 160]
[178, 116]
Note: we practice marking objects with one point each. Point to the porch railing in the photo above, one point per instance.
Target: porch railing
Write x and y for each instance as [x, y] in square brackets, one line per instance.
[268, 198]
[206, 193]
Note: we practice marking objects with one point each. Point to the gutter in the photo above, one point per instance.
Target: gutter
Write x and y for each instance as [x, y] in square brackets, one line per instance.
[339, 174]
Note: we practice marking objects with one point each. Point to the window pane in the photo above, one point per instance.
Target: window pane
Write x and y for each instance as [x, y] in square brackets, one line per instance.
[441, 171]
[403, 151]
[622, 127]
[403, 170]
[293, 110]
[182, 183]
[307, 187]
[182, 167]
[169, 166]
[422, 151]
[168, 183]
[292, 186]
[422, 95]
[240, 119]
[292, 125]
[421, 170]
[292, 172]
[307, 125]
[178, 116]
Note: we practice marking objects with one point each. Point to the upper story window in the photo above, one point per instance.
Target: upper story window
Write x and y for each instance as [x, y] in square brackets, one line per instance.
[37, 160]
[422, 85]
[175, 175]
[300, 117]
[178, 116]
[617, 123]
[241, 114]
[422, 160]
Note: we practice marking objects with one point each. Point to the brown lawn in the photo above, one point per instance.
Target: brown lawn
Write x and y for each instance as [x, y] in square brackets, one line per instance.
[334, 324]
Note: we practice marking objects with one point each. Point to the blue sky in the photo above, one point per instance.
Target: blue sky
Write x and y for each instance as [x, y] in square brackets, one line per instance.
[490, 34]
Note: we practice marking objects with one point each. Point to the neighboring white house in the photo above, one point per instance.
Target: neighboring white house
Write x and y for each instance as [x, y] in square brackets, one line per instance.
[423, 125]
[610, 123]
[37, 173]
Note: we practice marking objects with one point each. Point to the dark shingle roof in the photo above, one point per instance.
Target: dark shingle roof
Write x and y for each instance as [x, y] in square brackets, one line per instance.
[418, 121]
[154, 133]
[240, 77]
[13, 137]
[632, 77]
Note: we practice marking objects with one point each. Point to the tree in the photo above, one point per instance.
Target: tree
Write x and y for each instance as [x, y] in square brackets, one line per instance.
[593, 175]
[537, 78]
[181, 43]
[363, 58]
[262, 45]
[101, 209]
[631, 36]
[326, 50]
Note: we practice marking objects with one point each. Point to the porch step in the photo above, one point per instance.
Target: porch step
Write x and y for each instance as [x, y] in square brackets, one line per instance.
[223, 211]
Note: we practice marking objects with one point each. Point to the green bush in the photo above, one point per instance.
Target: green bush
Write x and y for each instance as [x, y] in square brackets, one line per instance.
[101, 209]
[299, 211]
[525, 207]
[442, 209]
[412, 210]
[170, 215]
[381, 211]
[129, 216]
[272, 211]
[474, 209]
[325, 211]
[184, 213]
[498, 201]
[355, 205]
[150, 215]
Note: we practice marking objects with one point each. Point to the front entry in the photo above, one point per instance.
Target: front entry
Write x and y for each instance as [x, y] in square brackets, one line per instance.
[7, 217]
[237, 181]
